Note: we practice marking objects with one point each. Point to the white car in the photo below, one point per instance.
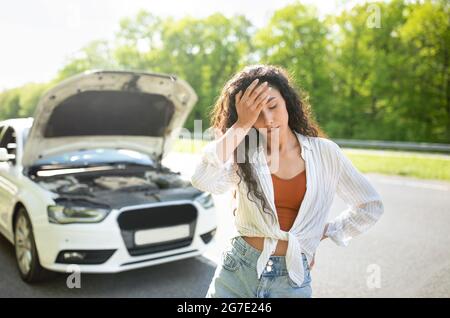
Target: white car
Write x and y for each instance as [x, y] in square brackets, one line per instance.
[82, 183]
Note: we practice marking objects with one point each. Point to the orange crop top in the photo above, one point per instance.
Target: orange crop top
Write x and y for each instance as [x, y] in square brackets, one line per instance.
[289, 195]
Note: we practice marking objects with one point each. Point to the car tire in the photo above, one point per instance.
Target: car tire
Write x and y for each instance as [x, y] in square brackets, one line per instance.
[27, 258]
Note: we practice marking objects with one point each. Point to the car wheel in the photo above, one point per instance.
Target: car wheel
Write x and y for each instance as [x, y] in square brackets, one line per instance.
[27, 258]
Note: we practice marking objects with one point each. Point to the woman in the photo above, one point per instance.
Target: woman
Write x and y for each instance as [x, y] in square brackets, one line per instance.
[284, 177]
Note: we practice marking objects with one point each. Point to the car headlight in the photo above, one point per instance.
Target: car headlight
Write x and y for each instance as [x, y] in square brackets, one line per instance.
[205, 200]
[73, 214]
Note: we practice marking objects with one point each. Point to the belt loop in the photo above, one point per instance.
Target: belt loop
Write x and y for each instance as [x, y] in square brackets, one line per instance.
[240, 246]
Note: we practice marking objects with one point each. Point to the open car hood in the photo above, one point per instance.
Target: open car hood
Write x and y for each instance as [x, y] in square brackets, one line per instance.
[110, 109]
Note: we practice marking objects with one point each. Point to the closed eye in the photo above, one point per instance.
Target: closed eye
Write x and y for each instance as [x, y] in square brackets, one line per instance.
[273, 107]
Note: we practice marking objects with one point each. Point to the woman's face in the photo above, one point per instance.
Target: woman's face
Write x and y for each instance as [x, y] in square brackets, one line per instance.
[273, 117]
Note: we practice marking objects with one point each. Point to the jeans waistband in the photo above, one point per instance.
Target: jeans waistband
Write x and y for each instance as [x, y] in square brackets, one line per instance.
[249, 255]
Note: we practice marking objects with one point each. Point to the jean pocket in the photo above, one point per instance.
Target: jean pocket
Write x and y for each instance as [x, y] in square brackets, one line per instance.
[307, 276]
[229, 262]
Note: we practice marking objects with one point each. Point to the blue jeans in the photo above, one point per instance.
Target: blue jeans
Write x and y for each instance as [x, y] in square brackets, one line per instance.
[236, 276]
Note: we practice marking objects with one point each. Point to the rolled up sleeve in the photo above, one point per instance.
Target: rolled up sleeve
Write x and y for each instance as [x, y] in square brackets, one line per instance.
[211, 174]
[364, 204]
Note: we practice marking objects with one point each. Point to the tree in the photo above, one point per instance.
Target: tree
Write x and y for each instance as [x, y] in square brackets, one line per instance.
[204, 52]
[296, 39]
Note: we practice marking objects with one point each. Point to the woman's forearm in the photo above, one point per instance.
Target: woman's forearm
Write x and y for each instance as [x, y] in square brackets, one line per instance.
[226, 144]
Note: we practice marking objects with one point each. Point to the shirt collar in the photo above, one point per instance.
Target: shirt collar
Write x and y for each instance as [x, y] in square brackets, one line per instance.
[304, 141]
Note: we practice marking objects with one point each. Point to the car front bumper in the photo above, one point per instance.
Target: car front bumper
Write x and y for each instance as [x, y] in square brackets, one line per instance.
[106, 245]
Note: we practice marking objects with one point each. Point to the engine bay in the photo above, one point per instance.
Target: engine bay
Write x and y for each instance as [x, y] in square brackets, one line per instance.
[120, 187]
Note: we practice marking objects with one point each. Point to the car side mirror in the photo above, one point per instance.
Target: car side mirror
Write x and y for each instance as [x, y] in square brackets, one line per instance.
[4, 156]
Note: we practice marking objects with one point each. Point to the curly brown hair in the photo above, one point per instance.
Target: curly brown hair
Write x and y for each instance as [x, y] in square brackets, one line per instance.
[224, 115]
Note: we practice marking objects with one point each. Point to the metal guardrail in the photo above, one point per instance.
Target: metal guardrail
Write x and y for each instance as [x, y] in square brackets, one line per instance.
[387, 145]
[394, 145]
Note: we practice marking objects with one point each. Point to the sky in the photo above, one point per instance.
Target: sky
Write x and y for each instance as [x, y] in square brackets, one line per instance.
[39, 36]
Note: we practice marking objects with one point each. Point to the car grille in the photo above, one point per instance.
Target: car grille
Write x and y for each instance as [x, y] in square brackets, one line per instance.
[154, 218]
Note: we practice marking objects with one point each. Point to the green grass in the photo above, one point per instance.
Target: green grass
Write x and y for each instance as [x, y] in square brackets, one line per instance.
[390, 163]
[404, 165]
[189, 145]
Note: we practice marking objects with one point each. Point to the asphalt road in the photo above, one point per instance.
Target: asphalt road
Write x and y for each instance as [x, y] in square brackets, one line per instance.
[406, 254]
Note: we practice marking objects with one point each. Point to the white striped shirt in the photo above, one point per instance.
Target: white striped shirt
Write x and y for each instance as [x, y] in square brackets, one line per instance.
[328, 171]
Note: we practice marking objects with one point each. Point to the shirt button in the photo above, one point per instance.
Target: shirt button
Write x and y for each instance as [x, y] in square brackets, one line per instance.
[269, 268]
[270, 262]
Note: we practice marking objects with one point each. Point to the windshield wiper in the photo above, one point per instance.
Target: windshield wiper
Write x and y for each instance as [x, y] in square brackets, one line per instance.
[128, 163]
[90, 165]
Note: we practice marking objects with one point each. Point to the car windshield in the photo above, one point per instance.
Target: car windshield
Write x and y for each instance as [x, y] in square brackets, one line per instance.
[96, 157]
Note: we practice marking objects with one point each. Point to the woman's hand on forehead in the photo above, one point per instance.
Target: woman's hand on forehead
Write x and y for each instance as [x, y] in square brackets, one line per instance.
[250, 103]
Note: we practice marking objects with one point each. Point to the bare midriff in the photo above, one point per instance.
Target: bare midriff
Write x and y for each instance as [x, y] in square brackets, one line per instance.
[258, 243]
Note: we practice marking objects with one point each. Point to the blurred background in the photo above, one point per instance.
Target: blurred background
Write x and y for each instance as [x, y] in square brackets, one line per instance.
[372, 70]
[376, 74]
